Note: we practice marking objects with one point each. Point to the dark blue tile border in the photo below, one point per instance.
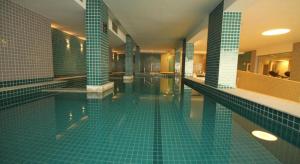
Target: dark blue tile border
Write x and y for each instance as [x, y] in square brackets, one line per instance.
[157, 143]
[21, 96]
[282, 124]
[23, 82]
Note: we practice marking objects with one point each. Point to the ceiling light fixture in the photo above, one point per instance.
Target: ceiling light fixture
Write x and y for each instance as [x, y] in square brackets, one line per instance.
[264, 135]
[274, 32]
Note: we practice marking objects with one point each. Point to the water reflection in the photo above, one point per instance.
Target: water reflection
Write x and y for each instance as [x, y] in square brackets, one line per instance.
[194, 127]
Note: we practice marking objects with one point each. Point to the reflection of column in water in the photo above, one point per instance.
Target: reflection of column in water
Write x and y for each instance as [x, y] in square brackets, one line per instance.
[95, 109]
[186, 100]
[223, 132]
[217, 129]
[208, 125]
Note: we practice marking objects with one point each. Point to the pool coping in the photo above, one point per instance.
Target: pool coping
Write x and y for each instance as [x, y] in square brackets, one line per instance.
[282, 105]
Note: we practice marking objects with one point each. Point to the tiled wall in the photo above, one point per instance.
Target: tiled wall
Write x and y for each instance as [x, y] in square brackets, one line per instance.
[17, 96]
[97, 48]
[26, 51]
[282, 124]
[189, 59]
[68, 58]
[129, 56]
[223, 47]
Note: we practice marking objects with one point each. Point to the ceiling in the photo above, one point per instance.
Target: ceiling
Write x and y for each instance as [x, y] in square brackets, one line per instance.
[159, 24]
[260, 16]
[263, 15]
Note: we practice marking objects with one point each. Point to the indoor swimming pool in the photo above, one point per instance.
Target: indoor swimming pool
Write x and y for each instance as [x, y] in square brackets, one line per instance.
[152, 120]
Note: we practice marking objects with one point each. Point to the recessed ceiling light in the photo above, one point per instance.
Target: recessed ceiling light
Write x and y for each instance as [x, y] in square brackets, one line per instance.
[276, 32]
[264, 135]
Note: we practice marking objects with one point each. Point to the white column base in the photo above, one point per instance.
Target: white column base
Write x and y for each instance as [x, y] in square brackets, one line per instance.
[99, 95]
[128, 77]
[128, 81]
[100, 88]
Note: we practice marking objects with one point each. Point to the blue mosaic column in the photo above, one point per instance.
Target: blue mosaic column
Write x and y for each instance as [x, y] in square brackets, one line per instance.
[137, 60]
[183, 58]
[129, 58]
[97, 50]
[189, 59]
[222, 48]
[177, 61]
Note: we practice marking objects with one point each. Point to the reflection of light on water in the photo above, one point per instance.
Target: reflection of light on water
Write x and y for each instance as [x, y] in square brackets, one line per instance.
[83, 109]
[84, 118]
[72, 126]
[59, 136]
[70, 116]
[264, 135]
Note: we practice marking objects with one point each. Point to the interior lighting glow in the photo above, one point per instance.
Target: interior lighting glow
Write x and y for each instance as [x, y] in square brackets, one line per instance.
[264, 135]
[273, 32]
[68, 43]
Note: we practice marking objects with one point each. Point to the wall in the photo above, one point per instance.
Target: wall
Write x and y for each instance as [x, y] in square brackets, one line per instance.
[118, 63]
[295, 68]
[26, 52]
[276, 87]
[68, 61]
[243, 61]
[151, 62]
[268, 59]
[199, 63]
[167, 63]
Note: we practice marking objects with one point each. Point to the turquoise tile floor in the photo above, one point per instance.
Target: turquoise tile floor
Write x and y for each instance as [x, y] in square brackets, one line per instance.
[153, 120]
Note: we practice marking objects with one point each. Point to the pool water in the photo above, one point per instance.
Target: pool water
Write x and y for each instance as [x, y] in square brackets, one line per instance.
[152, 120]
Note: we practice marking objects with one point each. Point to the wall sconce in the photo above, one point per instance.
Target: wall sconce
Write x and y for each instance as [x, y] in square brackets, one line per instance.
[118, 57]
[68, 43]
[113, 57]
[81, 47]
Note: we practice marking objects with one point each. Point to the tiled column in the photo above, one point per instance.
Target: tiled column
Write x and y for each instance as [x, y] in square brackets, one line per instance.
[189, 59]
[137, 60]
[177, 61]
[129, 58]
[222, 48]
[183, 57]
[97, 55]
